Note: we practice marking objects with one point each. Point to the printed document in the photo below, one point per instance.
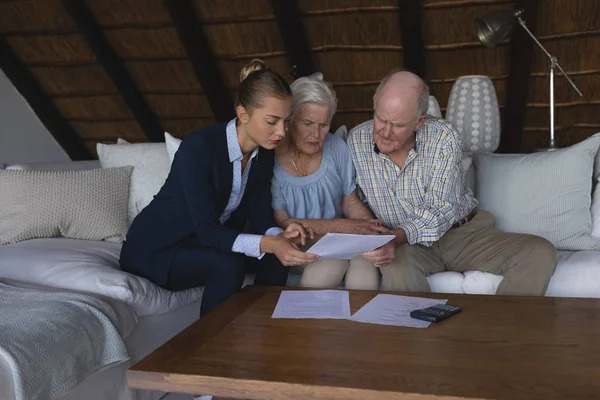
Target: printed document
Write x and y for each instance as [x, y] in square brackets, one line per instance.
[343, 246]
[389, 309]
[332, 304]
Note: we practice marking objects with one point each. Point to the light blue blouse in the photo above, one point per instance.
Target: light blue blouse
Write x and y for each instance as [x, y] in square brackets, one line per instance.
[320, 195]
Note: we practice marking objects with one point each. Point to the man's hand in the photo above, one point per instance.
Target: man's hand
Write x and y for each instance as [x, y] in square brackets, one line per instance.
[361, 226]
[298, 233]
[286, 251]
[382, 256]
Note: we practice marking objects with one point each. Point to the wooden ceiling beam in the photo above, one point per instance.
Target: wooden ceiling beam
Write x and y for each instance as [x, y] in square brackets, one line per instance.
[409, 12]
[517, 86]
[201, 55]
[115, 69]
[27, 85]
[291, 29]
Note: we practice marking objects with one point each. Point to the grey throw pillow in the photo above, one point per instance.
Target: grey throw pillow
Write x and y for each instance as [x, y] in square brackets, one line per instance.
[90, 205]
[546, 194]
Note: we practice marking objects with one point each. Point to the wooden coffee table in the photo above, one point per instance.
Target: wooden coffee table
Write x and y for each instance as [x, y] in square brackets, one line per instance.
[499, 347]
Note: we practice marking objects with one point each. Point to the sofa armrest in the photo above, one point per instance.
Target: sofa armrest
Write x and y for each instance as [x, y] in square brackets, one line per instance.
[57, 166]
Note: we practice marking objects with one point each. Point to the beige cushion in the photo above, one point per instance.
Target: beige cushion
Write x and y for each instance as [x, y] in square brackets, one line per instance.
[89, 205]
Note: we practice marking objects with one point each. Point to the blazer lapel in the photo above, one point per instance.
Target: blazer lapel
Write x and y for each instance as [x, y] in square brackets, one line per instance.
[256, 170]
[223, 174]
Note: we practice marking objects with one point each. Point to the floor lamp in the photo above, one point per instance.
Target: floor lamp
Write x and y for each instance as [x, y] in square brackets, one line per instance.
[493, 28]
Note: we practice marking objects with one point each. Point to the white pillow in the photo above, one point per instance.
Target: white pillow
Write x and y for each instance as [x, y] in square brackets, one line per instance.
[150, 164]
[546, 194]
[172, 145]
[342, 132]
[467, 164]
[433, 108]
[91, 267]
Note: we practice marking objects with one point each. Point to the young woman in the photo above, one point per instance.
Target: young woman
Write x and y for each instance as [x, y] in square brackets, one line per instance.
[314, 184]
[190, 235]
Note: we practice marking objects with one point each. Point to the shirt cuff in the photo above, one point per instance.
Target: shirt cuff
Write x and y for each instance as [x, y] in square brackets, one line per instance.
[412, 232]
[248, 244]
[274, 231]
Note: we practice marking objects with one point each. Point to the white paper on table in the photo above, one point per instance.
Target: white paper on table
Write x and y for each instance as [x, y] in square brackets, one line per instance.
[343, 246]
[332, 304]
[389, 309]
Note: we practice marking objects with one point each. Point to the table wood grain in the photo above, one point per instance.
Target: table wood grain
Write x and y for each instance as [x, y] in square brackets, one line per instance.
[499, 347]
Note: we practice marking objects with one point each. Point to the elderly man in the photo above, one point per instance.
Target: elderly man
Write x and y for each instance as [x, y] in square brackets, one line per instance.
[409, 168]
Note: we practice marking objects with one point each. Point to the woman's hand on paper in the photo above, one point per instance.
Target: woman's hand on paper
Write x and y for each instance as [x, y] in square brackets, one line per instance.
[286, 251]
[298, 233]
[383, 255]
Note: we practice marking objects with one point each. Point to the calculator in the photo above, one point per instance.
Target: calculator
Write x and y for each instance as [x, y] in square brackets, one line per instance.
[436, 313]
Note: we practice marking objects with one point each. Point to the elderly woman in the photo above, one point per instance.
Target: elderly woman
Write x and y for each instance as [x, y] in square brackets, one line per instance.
[314, 184]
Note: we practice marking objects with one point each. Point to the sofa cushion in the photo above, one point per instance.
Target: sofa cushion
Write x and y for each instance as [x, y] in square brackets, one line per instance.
[446, 282]
[150, 164]
[90, 267]
[545, 194]
[88, 205]
[478, 282]
[577, 275]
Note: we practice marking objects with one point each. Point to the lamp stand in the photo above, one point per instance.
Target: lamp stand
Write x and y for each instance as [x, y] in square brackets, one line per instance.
[552, 146]
[553, 64]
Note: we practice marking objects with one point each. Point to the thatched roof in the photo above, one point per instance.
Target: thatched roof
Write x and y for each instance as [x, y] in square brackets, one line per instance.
[353, 42]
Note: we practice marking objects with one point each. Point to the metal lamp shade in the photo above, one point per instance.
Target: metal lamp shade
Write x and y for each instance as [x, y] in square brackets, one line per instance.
[494, 28]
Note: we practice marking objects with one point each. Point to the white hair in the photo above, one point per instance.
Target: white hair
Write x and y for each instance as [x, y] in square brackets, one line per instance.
[423, 103]
[309, 89]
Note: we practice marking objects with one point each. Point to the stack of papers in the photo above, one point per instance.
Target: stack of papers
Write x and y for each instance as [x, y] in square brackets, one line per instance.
[332, 304]
[389, 309]
[383, 309]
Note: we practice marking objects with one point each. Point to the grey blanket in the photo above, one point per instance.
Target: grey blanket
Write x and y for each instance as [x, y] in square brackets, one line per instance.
[53, 340]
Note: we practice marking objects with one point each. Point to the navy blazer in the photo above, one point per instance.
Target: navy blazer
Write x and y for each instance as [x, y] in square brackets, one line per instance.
[187, 208]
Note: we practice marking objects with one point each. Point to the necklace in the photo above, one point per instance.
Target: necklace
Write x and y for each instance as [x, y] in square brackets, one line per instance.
[302, 173]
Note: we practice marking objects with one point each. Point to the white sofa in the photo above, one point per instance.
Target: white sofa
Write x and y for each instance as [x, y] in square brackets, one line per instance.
[577, 272]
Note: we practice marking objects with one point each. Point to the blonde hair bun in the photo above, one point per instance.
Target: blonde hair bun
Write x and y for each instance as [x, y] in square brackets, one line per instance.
[254, 65]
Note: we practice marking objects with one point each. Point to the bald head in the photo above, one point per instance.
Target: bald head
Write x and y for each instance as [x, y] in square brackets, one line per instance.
[404, 88]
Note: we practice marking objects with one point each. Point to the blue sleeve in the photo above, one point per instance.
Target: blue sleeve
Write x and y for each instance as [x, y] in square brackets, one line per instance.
[344, 165]
[192, 166]
[278, 201]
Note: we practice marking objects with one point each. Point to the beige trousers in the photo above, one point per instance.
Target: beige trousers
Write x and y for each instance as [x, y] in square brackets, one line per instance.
[527, 262]
[360, 274]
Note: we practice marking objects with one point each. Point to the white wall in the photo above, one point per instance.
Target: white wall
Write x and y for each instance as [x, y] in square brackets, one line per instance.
[23, 137]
